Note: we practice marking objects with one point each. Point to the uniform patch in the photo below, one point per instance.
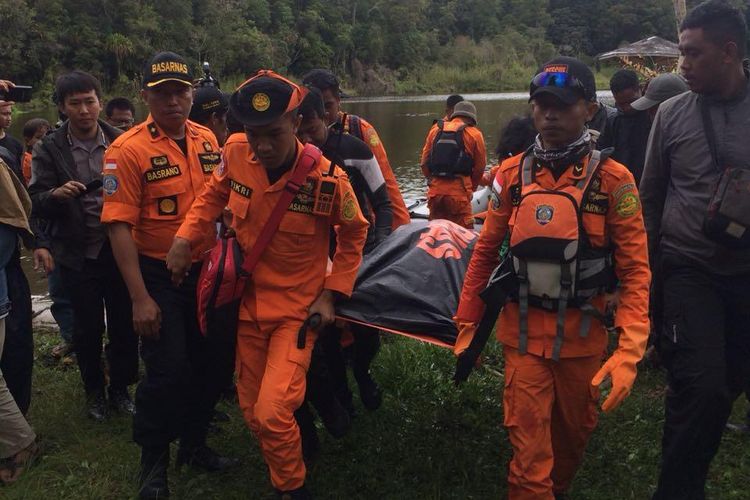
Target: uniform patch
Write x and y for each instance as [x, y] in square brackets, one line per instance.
[598, 207]
[261, 102]
[623, 189]
[167, 205]
[159, 161]
[209, 161]
[374, 140]
[110, 165]
[495, 199]
[578, 169]
[240, 189]
[161, 173]
[153, 130]
[110, 184]
[208, 147]
[544, 214]
[304, 201]
[349, 208]
[628, 205]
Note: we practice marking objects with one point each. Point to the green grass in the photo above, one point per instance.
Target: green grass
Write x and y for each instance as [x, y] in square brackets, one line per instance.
[428, 441]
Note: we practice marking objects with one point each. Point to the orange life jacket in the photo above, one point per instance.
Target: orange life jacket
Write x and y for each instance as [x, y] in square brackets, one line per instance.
[555, 263]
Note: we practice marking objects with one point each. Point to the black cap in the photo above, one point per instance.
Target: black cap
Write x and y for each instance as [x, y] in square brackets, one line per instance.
[207, 100]
[166, 67]
[264, 98]
[321, 79]
[567, 78]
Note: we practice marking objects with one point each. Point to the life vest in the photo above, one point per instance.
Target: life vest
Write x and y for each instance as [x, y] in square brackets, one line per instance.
[448, 156]
[552, 256]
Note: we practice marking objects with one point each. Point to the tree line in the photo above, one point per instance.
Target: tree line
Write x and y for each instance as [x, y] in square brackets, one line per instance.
[376, 45]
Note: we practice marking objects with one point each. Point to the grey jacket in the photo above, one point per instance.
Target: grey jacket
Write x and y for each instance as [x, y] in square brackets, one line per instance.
[679, 178]
[52, 165]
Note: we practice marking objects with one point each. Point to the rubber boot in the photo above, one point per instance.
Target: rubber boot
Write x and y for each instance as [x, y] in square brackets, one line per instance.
[152, 480]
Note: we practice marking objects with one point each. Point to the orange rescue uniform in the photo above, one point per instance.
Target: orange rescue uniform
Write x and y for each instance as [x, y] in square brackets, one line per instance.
[370, 136]
[150, 184]
[26, 167]
[450, 198]
[550, 407]
[290, 275]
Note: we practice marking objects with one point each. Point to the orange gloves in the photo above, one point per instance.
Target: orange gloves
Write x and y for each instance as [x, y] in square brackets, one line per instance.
[621, 366]
[466, 332]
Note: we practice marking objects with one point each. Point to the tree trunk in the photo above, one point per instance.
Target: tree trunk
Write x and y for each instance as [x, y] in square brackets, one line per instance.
[680, 11]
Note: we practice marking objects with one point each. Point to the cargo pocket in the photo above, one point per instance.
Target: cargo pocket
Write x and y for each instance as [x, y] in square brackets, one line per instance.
[294, 240]
[164, 199]
[238, 204]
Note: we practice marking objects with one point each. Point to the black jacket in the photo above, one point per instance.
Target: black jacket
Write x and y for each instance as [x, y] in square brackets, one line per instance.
[52, 165]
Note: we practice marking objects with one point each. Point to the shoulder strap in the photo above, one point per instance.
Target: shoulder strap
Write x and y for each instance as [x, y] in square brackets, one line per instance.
[355, 126]
[526, 174]
[305, 165]
[708, 129]
[595, 160]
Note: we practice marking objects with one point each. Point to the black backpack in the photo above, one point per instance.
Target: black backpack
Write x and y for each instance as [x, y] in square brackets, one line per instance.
[448, 156]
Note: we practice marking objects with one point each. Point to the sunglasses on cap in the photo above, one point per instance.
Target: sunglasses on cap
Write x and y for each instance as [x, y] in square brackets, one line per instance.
[562, 80]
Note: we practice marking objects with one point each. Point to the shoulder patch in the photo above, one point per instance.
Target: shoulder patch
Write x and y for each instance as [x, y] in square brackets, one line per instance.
[628, 205]
[153, 130]
[208, 147]
[110, 184]
[348, 208]
[372, 138]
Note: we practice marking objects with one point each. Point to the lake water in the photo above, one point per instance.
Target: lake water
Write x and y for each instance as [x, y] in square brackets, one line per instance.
[401, 122]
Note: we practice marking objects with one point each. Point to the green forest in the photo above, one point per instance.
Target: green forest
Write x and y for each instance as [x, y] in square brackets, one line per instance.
[377, 46]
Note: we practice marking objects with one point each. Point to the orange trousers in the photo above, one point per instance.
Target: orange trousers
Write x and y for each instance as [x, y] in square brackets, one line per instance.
[550, 411]
[271, 375]
[455, 208]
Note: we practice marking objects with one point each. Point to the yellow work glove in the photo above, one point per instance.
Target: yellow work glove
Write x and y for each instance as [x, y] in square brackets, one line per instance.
[620, 368]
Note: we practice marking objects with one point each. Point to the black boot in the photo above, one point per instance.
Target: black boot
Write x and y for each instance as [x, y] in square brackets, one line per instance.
[300, 493]
[153, 476]
[120, 401]
[369, 392]
[335, 418]
[307, 432]
[204, 458]
[97, 406]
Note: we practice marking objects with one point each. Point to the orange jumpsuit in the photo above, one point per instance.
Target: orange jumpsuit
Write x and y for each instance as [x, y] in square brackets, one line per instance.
[288, 278]
[450, 198]
[370, 137]
[26, 168]
[551, 407]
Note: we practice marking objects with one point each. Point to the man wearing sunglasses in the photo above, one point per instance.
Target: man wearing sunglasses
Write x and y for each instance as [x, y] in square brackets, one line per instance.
[575, 223]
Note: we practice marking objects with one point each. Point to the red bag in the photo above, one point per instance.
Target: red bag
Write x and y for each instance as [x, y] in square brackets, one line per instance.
[225, 271]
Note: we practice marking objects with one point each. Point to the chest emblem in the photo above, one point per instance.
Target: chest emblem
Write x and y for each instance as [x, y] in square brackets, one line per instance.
[544, 214]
